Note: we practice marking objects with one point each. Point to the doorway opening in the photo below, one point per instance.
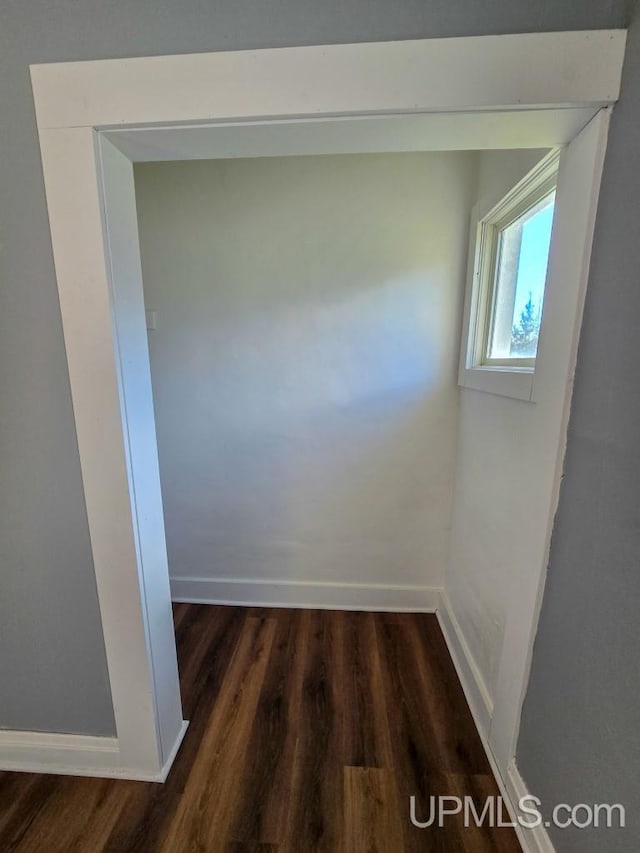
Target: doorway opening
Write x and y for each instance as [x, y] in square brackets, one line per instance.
[96, 119]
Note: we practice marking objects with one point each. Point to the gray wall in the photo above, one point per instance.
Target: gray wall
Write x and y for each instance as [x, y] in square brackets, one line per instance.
[53, 673]
[580, 734]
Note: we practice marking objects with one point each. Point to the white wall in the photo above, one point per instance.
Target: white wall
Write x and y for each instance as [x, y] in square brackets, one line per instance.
[304, 362]
[493, 446]
[509, 460]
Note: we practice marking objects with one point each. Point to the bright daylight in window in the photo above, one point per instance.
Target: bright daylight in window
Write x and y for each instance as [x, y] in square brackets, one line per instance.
[520, 269]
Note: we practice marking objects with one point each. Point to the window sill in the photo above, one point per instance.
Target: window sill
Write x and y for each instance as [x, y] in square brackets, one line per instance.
[514, 382]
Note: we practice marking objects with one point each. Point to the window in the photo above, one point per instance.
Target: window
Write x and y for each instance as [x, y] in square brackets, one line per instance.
[505, 308]
[519, 268]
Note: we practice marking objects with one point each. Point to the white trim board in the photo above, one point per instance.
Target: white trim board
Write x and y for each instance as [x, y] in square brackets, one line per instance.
[576, 203]
[473, 684]
[535, 839]
[318, 596]
[566, 69]
[73, 755]
[512, 788]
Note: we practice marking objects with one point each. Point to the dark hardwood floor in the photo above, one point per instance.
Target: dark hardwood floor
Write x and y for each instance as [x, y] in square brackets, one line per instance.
[309, 732]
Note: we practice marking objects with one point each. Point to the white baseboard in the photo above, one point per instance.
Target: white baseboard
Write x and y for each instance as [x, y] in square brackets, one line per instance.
[512, 788]
[74, 755]
[45, 752]
[162, 775]
[473, 684]
[533, 840]
[322, 596]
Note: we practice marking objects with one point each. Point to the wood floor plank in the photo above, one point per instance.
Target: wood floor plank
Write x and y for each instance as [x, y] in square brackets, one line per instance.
[180, 612]
[459, 746]
[14, 792]
[26, 810]
[417, 756]
[267, 778]
[68, 823]
[372, 819]
[309, 731]
[366, 726]
[482, 839]
[207, 806]
[207, 640]
[315, 816]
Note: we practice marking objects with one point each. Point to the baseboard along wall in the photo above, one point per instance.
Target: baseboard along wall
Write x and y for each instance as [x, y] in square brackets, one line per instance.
[74, 755]
[314, 595]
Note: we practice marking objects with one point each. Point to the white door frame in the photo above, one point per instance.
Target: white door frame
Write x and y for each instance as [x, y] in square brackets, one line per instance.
[504, 91]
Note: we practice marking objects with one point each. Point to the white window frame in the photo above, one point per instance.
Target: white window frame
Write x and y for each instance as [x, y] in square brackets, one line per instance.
[507, 377]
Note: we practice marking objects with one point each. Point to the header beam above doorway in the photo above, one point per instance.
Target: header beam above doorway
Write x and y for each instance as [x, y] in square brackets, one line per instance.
[514, 72]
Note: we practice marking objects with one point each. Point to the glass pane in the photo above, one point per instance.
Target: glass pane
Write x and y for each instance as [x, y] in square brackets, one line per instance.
[521, 269]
